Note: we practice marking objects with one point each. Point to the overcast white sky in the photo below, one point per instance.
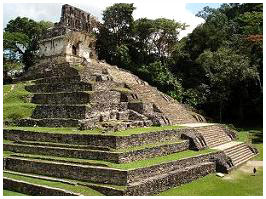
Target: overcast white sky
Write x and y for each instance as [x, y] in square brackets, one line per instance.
[180, 11]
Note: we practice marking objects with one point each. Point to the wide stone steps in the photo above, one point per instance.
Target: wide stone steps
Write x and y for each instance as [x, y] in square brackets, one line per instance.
[167, 107]
[214, 135]
[212, 142]
[235, 147]
[239, 154]
[242, 160]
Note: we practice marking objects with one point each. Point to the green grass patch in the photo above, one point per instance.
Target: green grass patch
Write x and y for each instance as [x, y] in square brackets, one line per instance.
[7, 153]
[12, 193]
[17, 102]
[84, 190]
[162, 159]
[238, 183]
[254, 138]
[7, 141]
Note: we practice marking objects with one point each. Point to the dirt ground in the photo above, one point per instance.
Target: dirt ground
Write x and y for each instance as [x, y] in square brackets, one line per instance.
[246, 168]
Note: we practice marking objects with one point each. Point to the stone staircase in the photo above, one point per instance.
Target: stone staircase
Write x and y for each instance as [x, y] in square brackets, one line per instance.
[214, 135]
[219, 137]
[239, 152]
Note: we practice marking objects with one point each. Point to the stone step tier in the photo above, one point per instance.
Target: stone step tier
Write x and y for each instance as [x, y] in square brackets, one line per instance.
[94, 152]
[148, 186]
[104, 97]
[56, 87]
[135, 184]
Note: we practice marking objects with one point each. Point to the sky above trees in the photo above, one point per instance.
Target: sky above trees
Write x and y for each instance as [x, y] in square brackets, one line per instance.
[179, 11]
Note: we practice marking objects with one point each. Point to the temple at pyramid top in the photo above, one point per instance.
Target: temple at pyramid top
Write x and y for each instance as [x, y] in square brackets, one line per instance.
[74, 19]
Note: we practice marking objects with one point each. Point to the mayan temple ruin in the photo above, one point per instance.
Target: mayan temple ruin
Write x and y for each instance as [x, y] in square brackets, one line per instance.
[115, 148]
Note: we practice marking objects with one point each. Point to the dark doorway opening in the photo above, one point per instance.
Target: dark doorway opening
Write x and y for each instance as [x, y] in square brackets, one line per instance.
[74, 50]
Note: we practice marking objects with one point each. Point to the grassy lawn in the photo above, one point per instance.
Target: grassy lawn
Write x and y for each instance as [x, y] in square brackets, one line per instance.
[16, 102]
[12, 193]
[238, 183]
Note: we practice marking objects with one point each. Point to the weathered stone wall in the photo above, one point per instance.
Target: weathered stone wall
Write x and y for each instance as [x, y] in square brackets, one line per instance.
[172, 179]
[77, 97]
[51, 47]
[71, 45]
[64, 170]
[95, 140]
[33, 189]
[142, 173]
[76, 19]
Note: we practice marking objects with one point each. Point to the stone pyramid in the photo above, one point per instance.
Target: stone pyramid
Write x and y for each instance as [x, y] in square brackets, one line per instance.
[73, 89]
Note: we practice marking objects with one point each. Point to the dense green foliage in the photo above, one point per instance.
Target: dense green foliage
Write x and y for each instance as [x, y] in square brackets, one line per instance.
[21, 43]
[217, 68]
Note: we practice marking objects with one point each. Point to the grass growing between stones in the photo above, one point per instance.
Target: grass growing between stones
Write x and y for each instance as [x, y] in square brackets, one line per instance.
[7, 153]
[238, 183]
[16, 102]
[74, 188]
[12, 193]
[127, 132]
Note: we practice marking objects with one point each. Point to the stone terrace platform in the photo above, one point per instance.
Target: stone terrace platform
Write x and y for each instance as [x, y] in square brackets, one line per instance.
[141, 161]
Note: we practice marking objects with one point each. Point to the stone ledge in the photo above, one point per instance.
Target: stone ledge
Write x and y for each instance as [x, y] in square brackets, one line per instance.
[34, 189]
[115, 142]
